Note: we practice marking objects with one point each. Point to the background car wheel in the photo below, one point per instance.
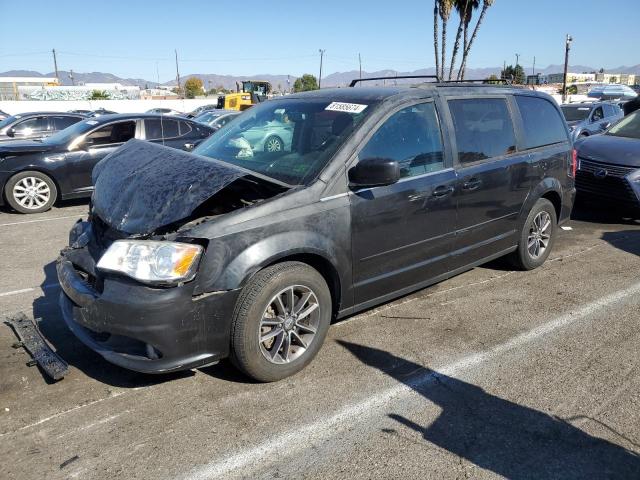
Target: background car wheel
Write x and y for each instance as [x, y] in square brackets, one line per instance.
[280, 321]
[30, 192]
[583, 135]
[273, 144]
[537, 236]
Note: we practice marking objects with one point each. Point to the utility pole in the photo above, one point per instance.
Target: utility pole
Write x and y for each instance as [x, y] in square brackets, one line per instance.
[533, 70]
[55, 64]
[360, 62]
[157, 74]
[177, 72]
[504, 69]
[73, 84]
[320, 76]
[517, 59]
[567, 47]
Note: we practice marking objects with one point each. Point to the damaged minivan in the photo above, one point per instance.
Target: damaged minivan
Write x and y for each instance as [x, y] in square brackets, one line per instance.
[246, 251]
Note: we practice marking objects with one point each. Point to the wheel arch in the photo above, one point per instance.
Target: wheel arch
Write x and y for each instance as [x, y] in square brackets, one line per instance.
[228, 271]
[33, 169]
[549, 188]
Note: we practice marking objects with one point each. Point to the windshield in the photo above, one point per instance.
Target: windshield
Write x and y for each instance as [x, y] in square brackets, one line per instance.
[70, 133]
[628, 127]
[208, 116]
[289, 140]
[572, 114]
[8, 121]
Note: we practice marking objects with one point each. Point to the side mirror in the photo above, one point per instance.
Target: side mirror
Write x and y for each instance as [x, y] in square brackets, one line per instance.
[374, 172]
[11, 132]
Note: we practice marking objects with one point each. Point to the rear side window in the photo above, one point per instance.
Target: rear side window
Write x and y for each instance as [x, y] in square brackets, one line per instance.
[411, 137]
[542, 123]
[185, 128]
[60, 123]
[157, 129]
[483, 128]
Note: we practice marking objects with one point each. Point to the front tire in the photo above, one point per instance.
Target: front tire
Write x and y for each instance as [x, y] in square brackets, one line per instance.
[30, 192]
[280, 321]
[537, 236]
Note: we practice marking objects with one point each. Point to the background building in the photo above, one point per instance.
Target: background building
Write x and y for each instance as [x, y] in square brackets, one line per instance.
[10, 86]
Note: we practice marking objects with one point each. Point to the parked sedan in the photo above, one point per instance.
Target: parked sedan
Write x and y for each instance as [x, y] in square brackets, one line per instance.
[201, 109]
[609, 165]
[36, 125]
[3, 115]
[34, 174]
[218, 118]
[165, 111]
[586, 119]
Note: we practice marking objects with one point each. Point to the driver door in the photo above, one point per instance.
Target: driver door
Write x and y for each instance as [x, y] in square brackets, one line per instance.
[402, 234]
[95, 146]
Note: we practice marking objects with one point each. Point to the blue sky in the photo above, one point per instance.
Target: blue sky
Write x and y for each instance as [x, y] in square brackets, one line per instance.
[137, 38]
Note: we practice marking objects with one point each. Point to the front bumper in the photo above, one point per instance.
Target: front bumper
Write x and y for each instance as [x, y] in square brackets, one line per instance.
[150, 330]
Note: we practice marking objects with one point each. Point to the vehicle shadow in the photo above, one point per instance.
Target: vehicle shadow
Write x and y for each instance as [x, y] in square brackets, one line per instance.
[495, 434]
[625, 240]
[74, 352]
[590, 211]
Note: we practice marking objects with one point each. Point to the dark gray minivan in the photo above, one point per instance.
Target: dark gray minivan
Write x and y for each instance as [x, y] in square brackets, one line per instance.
[238, 251]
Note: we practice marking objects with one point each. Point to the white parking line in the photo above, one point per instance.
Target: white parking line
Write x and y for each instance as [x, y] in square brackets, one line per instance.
[30, 289]
[78, 215]
[296, 440]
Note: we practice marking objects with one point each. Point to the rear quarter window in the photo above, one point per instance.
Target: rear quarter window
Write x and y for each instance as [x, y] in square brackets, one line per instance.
[542, 123]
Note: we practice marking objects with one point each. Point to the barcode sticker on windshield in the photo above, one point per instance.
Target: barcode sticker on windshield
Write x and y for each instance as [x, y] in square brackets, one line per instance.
[346, 107]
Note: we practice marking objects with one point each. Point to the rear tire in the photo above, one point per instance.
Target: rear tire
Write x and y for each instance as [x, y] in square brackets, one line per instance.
[30, 192]
[537, 237]
[280, 321]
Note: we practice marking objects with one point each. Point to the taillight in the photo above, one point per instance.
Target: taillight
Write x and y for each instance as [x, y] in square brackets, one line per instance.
[574, 163]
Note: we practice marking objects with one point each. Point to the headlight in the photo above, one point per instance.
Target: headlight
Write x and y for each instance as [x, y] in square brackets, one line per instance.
[151, 261]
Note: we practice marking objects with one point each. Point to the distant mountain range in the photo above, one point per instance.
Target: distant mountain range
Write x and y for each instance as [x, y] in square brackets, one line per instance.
[279, 82]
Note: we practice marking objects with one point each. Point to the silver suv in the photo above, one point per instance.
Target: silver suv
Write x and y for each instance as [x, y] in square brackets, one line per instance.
[586, 119]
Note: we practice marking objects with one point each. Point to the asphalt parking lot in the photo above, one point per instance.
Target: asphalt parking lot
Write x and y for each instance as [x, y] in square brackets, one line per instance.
[493, 373]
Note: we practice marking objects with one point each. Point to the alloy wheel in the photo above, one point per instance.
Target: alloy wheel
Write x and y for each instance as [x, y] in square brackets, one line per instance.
[539, 235]
[289, 324]
[274, 144]
[31, 193]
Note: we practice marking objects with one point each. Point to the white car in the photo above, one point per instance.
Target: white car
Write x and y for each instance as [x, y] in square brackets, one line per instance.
[272, 136]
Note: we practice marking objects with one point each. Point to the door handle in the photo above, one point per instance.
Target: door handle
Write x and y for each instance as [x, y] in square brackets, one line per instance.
[471, 184]
[442, 191]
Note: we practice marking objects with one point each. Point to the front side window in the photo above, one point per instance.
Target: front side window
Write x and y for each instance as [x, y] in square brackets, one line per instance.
[410, 137]
[112, 134]
[290, 140]
[31, 126]
[597, 114]
[542, 123]
[483, 128]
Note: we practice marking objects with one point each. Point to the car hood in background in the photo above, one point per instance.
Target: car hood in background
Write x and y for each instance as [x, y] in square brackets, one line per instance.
[143, 186]
[610, 149]
[24, 146]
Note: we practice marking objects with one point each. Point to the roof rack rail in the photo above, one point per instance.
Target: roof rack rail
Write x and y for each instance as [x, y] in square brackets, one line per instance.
[504, 81]
[357, 80]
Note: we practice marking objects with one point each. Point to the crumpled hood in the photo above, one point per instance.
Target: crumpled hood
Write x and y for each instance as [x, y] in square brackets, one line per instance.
[610, 149]
[143, 186]
[23, 146]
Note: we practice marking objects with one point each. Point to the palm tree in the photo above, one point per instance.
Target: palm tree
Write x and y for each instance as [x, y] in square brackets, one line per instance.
[445, 12]
[435, 35]
[485, 6]
[465, 11]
